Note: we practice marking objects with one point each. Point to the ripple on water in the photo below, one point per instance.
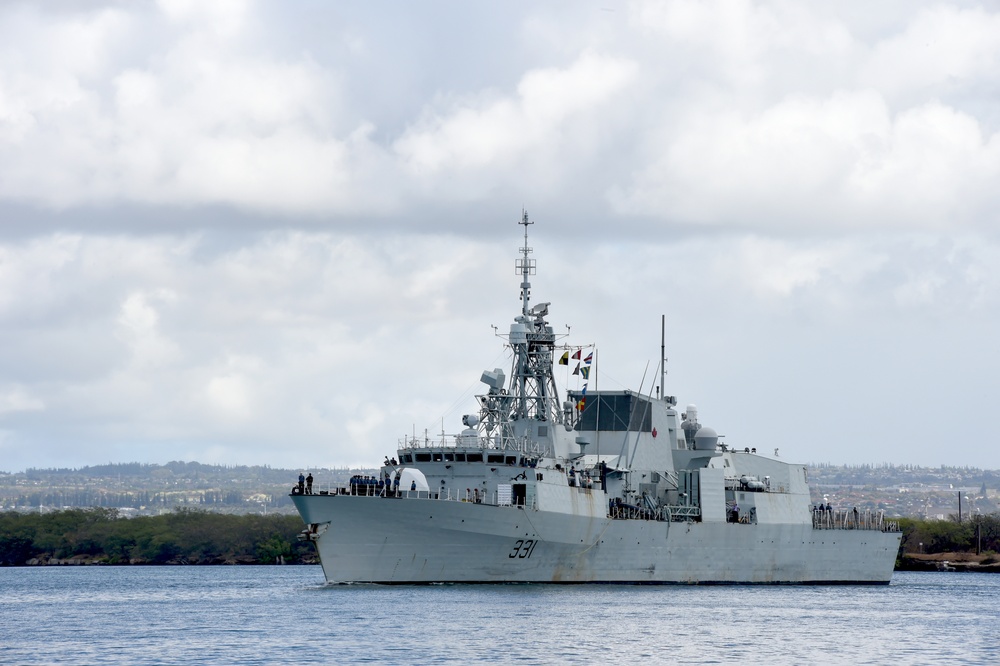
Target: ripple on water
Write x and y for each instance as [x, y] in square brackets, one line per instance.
[263, 615]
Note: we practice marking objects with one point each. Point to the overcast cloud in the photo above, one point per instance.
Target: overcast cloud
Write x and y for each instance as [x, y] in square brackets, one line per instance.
[279, 233]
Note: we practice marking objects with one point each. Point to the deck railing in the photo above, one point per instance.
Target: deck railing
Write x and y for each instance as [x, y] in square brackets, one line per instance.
[450, 442]
[852, 519]
[472, 495]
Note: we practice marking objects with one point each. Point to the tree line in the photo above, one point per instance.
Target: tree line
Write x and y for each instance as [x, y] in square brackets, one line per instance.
[182, 537]
[978, 534]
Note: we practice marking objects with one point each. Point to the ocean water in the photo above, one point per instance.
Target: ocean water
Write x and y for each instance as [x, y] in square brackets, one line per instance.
[287, 615]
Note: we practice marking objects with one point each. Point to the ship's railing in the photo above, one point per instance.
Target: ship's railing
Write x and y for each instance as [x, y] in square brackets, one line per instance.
[621, 511]
[488, 443]
[682, 513]
[357, 490]
[852, 519]
[472, 495]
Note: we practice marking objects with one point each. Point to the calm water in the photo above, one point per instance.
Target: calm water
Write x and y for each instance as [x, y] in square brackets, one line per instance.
[269, 615]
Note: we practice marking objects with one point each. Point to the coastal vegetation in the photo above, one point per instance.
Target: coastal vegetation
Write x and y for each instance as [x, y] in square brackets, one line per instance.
[103, 536]
[971, 544]
[976, 534]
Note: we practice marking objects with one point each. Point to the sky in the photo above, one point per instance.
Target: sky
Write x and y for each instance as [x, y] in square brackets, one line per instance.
[281, 233]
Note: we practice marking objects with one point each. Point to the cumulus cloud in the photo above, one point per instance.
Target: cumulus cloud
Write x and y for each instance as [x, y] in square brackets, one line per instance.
[203, 118]
[501, 130]
[137, 326]
[840, 162]
[343, 344]
[728, 114]
[247, 347]
[943, 50]
[313, 217]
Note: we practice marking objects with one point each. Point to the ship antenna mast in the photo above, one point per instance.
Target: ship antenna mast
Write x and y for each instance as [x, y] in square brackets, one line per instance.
[663, 356]
[526, 265]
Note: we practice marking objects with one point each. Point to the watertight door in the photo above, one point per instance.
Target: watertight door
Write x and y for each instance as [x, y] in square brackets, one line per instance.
[520, 494]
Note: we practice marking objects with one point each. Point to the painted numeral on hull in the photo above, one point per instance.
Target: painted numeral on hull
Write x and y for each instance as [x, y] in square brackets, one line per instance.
[523, 548]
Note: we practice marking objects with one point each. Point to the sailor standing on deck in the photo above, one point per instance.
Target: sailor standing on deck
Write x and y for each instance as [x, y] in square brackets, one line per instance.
[309, 484]
[302, 483]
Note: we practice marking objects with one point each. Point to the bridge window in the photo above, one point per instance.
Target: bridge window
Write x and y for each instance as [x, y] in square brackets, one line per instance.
[614, 412]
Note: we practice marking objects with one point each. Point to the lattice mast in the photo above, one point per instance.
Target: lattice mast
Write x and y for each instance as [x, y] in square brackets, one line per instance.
[533, 342]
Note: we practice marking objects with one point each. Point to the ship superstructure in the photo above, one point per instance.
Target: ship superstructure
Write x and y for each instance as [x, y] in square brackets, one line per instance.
[601, 486]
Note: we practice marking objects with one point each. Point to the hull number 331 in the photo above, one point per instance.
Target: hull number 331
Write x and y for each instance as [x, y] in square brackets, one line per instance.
[523, 548]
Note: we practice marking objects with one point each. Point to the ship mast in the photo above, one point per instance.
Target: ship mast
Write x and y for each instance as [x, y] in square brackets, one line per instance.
[531, 397]
[532, 340]
[525, 265]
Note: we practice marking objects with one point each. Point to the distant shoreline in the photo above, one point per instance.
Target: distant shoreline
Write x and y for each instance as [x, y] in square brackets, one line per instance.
[954, 561]
[89, 537]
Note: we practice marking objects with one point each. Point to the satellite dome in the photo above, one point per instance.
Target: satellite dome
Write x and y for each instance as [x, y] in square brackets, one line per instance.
[706, 439]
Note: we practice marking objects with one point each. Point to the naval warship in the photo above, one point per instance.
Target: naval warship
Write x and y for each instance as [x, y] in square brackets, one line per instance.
[595, 487]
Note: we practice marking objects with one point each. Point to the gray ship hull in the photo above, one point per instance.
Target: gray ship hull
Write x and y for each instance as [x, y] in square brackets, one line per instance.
[407, 540]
